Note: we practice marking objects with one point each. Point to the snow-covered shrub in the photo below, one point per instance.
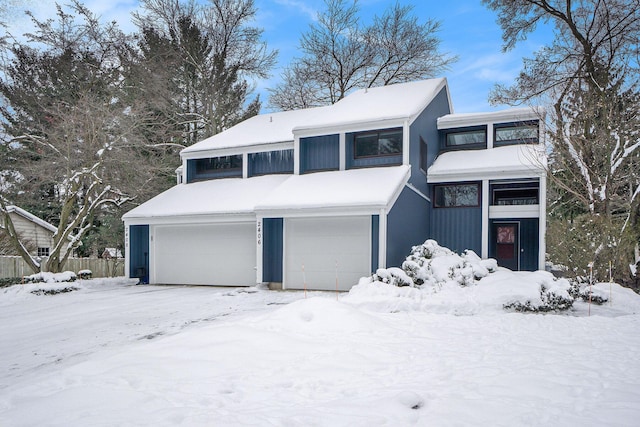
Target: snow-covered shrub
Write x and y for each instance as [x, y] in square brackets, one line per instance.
[393, 276]
[554, 294]
[431, 265]
[8, 281]
[46, 277]
[85, 274]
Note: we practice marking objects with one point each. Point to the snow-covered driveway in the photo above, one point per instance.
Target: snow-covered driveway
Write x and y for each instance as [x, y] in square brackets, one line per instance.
[120, 355]
[40, 333]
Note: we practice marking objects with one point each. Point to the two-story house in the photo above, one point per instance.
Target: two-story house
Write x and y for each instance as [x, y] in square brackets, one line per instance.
[320, 197]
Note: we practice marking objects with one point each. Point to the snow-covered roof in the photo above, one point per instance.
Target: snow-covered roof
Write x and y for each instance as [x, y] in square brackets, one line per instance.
[31, 217]
[379, 104]
[370, 188]
[505, 116]
[261, 129]
[373, 188]
[214, 197]
[500, 162]
[403, 101]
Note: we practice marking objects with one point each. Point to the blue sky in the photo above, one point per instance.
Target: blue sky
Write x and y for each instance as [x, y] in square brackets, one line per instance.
[469, 30]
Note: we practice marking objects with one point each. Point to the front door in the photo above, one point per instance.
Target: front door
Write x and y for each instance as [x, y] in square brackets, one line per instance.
[506, 238]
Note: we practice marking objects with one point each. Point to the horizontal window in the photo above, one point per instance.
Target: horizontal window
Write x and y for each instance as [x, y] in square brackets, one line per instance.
[515, 193]
[516, 133]
[465, 138]
[214, 164]
[43, 251]
[457, 195]
[379, 143]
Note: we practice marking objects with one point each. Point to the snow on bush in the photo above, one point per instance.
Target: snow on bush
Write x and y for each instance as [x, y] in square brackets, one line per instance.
[435, 278]
[46, 283]
[431, 265]
[46, 277]
[85, 274]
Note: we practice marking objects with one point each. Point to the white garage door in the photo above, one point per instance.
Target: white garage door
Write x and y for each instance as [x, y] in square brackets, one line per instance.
[211, 254]
[317, 243]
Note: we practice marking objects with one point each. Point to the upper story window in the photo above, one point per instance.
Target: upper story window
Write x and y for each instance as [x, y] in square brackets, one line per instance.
[466, 138]
[515, 193]
[43, 251]
[457, 195]
[214, 167]
[377, 143]
[516, 133]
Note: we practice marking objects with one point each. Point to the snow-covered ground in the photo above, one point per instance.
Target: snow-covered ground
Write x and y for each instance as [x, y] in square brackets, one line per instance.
[113, 353]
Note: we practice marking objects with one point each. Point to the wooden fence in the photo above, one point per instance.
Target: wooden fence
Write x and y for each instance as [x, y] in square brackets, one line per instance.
[14, 266]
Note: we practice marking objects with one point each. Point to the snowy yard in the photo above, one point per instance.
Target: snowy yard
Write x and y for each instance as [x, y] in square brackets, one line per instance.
[114, 353]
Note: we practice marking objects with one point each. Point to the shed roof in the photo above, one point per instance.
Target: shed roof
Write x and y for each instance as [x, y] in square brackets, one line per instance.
[371, 188]
[218, 196]
[492, 163]
[379, 104]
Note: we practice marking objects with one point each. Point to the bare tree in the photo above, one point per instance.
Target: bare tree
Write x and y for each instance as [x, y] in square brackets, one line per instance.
[214, 54]
[590, 78]
[340, 54]
[67, 128]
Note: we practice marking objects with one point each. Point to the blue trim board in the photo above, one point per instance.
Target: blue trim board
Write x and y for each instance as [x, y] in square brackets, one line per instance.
[375, 242]
[139, 252]
[272, 249]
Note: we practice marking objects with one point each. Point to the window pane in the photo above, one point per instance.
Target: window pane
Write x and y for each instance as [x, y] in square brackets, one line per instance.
[366, 145]
[466, 138]
[390, 143]
[448, 196]
[522, 133]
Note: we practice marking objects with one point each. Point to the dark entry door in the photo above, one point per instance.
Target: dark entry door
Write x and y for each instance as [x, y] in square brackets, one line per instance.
[506, 238]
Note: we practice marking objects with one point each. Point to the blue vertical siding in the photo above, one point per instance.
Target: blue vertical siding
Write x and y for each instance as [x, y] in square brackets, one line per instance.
[425, 126]
[375, 241]
[271, 162]
[458, 228]
[272, 249]
[139, 252]
[407, 226]
[319, 153]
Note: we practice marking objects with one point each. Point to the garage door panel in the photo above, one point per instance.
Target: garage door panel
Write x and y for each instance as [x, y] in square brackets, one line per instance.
[317, 243]
[211, 254]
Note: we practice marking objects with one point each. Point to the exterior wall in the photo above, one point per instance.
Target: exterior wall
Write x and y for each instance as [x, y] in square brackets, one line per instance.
[458, 228]
[319, 153]
[271, 162]
[407, 226]
[272, 250]
[425, 126]
[31, 232]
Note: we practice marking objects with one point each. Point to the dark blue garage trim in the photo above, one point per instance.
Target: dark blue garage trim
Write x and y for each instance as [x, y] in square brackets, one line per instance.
[375, 241]
[139, 252]
[272, 249]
